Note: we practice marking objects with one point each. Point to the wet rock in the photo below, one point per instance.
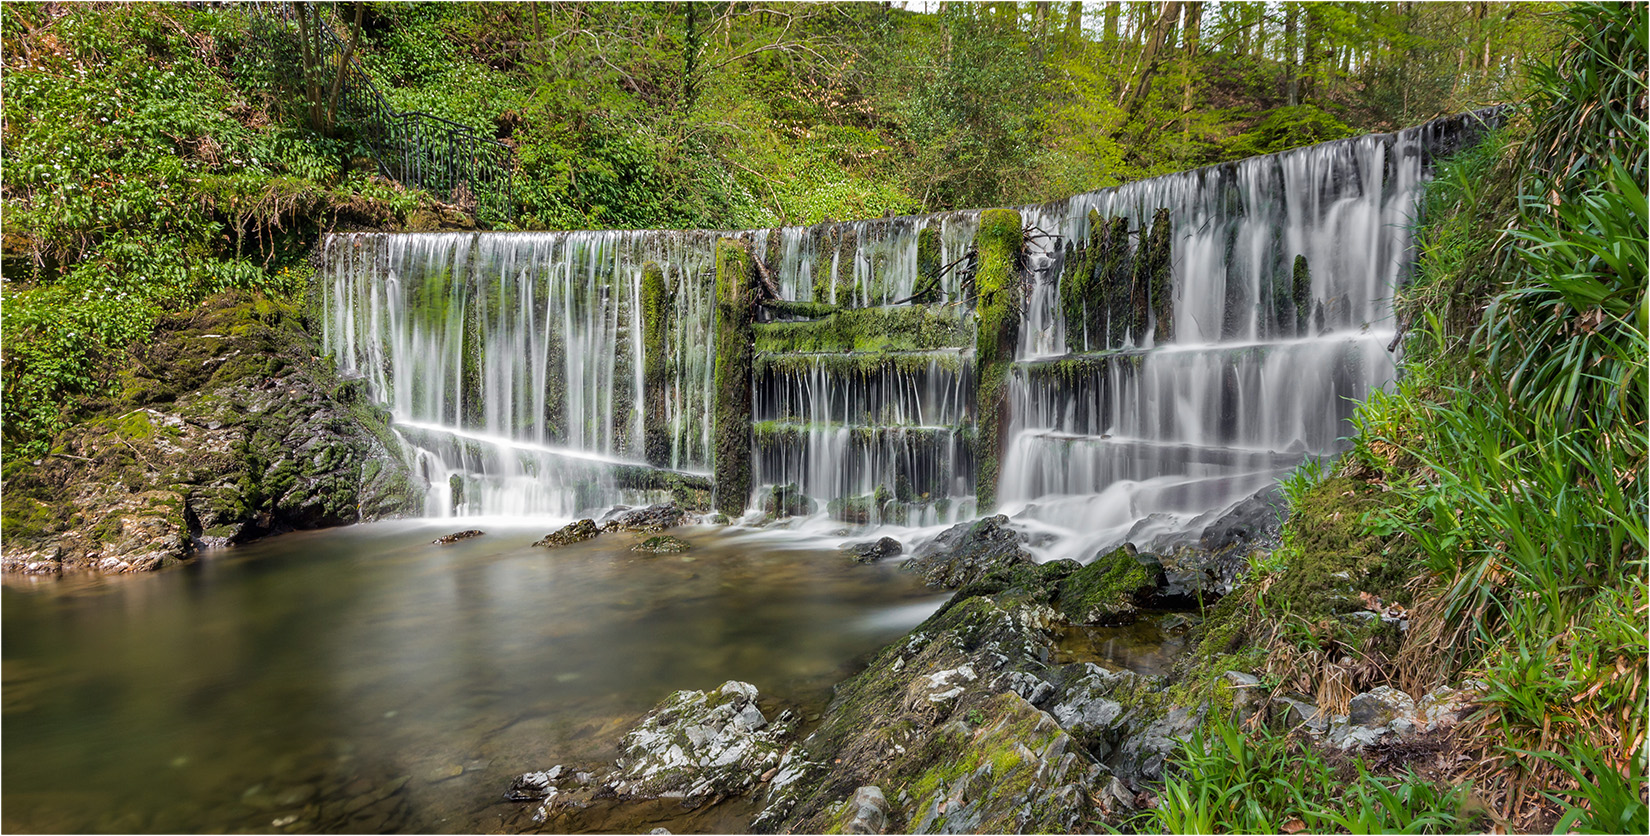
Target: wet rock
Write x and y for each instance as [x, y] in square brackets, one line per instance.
[1032, 688]
[653, 518]
[456, 536]
[967, 552]
[1255, 521]
[698, 744]
[936, 723]
[1107, 590]
[787, 501]
[869, 811]
[1098, 707]
[1142, 755]
[662, 544]
[873, 552]
[577, 532]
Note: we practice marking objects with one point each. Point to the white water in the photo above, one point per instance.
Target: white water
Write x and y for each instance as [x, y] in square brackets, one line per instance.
[1142, 430]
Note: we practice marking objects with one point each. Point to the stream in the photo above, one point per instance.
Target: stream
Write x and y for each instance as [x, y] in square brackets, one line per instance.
[361, 679]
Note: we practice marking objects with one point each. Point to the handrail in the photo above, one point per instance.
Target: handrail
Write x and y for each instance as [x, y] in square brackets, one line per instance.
[418, 149]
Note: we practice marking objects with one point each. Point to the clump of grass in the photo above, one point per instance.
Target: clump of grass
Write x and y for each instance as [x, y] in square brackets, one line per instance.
[1226, 780]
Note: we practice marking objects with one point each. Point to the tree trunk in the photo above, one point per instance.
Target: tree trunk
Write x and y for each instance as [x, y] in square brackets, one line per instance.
[1110, 34]
[1193, 21]
[1291, 68]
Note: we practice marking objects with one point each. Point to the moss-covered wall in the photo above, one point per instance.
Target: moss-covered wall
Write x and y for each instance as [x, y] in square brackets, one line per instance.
[655, 364]
[997, 284]
[735, 302]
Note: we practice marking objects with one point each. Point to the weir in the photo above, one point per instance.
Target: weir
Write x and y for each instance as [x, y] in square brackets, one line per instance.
[1125, 358]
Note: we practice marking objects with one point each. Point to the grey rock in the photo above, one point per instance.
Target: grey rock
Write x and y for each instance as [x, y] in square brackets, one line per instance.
[1254, 521]
[967, 552]
[455, 537]
[870, 811]
[698, 744]
[873, 552]
[1143, 753]
[1380, 707]
[1034, 689]
[652, 519]
[1300, 714]
[1247, 696]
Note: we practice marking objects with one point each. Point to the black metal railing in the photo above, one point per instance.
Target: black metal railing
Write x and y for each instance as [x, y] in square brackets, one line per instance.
[420, 150]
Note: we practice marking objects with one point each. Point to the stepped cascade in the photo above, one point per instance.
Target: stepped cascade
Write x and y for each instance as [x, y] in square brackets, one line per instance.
[1161, 349]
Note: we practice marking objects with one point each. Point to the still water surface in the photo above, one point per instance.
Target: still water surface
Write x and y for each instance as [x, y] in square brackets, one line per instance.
[361, 679]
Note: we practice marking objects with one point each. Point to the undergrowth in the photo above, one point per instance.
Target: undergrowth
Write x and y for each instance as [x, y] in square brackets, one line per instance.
[1504, 474]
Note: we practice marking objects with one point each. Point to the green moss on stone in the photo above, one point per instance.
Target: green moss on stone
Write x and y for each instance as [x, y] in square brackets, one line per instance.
[1106, 590]
[800, 310]
[904, 328]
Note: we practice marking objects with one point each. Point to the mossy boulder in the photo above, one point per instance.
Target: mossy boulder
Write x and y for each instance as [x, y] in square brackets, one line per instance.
[1108, 590]
[226, 427]
[574, 532]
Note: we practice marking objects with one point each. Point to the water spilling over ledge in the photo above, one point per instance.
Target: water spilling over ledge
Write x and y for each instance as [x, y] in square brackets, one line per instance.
[1173, 345]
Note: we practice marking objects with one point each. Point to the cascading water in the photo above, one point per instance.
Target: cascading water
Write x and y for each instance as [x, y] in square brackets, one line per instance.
[513, 363]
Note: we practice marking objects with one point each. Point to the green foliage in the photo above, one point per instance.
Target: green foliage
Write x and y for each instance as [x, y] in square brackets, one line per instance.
[1225, 780]
[1289, 127]
[140, 178]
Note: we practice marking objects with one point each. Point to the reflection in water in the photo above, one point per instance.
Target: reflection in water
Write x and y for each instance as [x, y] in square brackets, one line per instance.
[361, 679]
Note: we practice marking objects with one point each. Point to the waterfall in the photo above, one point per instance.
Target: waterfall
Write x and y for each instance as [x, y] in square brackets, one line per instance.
[1183, 341]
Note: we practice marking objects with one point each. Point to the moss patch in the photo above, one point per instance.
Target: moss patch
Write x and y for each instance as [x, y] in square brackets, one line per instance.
[1107, 590]
[903, 328]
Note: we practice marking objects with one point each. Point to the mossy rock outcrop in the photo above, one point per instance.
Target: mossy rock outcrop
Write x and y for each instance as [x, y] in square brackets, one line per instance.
[227, 427]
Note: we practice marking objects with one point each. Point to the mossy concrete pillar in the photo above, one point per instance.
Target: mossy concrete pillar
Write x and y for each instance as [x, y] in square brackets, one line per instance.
[1083, 306]
[997, 284]
[1118, 282]
[927, 288]
[655, 327]
[1159, 264]
[735, 303]
[1301, 292]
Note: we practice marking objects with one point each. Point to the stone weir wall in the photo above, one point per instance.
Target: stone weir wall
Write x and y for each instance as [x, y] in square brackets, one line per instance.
[1119, 360]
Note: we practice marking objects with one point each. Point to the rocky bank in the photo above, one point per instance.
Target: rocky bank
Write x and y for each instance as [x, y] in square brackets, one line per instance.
[226, 426]
[972, 723]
